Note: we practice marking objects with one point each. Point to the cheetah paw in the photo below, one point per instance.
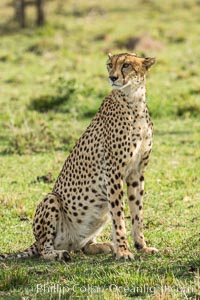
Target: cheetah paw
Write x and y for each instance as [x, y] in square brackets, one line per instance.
[149, 250]
[63, 256]
[107, 247]
[66, 256]
[124, 255]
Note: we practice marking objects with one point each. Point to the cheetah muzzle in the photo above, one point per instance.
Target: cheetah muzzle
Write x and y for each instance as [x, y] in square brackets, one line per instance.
[114, 150]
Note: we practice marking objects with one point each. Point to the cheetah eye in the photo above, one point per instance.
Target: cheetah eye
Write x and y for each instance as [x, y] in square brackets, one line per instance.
[126, 65]
[110, 65]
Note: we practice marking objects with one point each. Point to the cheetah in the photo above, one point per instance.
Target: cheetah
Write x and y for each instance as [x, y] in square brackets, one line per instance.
[88, 192]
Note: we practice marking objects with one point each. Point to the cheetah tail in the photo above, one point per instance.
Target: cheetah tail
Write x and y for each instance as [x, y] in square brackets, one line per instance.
[31, 251]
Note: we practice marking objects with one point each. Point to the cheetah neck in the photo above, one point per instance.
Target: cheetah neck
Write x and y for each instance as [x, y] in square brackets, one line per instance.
[136, 97]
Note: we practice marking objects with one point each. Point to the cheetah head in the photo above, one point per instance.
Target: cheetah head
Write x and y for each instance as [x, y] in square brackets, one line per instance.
[126, 69]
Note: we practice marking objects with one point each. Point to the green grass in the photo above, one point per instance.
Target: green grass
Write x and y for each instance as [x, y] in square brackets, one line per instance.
[52, 82]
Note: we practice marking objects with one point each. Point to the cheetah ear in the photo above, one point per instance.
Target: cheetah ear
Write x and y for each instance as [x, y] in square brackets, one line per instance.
[148, 62]
[109, 55]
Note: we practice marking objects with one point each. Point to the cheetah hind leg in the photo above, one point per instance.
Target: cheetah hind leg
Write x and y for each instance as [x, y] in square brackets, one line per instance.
[50, 224]
[92, 247]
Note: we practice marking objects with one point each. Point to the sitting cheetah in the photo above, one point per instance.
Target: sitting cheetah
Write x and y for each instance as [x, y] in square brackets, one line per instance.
[114, 149]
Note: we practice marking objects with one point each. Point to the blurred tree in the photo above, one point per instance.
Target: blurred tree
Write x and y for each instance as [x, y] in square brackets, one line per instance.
[20, 11]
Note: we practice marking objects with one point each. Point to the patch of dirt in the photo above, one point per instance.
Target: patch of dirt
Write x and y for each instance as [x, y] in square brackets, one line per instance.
[45, 178]
[140, 43]
[102, 37]
[24, 218]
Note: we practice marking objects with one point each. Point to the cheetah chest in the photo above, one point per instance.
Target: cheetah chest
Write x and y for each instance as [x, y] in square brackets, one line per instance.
[140, 149]
[73, 236]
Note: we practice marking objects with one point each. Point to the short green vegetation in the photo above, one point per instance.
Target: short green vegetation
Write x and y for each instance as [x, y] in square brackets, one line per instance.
[52, 81]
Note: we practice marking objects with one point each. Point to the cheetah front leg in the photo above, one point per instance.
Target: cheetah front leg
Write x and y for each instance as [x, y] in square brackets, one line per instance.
[116, 203]
[135, 191]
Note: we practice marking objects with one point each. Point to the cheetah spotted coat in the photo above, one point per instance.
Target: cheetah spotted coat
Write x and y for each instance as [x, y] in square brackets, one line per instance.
[114, 150]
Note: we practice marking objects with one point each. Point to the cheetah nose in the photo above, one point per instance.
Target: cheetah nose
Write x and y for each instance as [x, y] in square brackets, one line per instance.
[113, 78]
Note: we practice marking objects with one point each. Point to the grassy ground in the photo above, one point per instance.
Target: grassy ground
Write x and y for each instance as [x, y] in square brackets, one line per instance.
[52, 81]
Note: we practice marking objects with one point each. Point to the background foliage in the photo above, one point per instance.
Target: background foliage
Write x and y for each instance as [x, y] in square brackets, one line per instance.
[52, 81]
